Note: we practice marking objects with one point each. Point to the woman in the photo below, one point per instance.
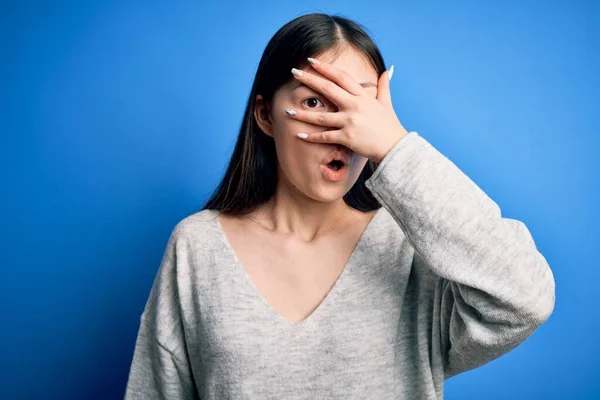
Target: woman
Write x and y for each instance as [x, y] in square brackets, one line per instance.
[341, 256]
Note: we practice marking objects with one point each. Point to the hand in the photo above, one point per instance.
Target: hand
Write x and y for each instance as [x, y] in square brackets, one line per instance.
[368, 126]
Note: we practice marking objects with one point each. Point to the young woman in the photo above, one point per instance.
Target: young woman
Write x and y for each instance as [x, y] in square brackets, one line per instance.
[341, 256]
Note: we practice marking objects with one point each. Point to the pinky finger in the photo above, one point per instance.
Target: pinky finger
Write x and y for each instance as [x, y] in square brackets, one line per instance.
[334, 136]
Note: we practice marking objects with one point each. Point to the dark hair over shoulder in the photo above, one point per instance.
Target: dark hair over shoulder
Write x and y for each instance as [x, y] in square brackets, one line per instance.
[251, 177]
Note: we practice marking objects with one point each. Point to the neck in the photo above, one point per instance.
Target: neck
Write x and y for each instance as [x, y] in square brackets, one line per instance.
[305, 219]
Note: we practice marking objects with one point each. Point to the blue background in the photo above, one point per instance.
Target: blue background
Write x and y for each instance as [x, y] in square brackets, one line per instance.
[118, 119]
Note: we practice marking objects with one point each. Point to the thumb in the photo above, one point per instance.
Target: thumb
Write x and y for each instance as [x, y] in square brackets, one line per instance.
[384, 94]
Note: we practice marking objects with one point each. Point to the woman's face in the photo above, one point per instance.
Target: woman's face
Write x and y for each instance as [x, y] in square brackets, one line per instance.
[299, 160]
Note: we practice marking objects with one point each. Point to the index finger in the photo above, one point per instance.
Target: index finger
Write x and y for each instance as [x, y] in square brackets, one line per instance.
[328, 88]
[339, 76]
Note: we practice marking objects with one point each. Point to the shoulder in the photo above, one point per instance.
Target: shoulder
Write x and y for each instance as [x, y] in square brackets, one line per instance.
[198, 229]
[386, 229]
[191, 224]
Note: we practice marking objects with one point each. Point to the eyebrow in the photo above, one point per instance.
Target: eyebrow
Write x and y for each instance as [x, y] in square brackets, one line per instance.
[296, 84]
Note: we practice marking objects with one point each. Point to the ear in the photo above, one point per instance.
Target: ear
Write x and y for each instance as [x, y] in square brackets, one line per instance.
[262, 115]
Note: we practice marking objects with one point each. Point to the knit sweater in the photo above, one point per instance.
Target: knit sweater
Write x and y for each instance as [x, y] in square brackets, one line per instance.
[439, 283]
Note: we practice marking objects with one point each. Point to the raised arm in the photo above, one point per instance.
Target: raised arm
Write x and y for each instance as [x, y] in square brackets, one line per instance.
[495, 287]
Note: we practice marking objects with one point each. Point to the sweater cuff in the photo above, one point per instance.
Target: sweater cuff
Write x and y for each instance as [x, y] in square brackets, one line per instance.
[405, 147]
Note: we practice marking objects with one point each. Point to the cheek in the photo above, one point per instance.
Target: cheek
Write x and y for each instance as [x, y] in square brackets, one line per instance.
[291, 150]
[284, 126]
[284, 135]
[357, 166]
[360, 162]
[293, 156]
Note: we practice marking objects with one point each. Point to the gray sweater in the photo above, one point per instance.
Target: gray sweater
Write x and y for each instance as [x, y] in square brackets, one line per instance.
[438, 284]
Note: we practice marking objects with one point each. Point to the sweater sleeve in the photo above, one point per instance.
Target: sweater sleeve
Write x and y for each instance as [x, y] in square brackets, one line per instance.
[494, 288]
[161, 368]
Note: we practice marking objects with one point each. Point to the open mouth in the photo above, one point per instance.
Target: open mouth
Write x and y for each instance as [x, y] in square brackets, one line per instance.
[336, 160]
[335, 165]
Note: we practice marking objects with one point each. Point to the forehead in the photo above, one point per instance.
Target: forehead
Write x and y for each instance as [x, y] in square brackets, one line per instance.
[352, 62]
[349, 60]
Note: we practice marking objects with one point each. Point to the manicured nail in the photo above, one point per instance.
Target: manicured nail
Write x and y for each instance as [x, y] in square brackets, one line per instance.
[302, 135]
[391, 73]
[290, 111]
[313, 61]
[297, 72]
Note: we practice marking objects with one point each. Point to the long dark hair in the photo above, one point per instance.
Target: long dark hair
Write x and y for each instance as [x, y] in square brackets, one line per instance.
[251, 177]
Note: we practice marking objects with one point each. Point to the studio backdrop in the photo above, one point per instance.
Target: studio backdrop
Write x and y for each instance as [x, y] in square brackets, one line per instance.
[118, 119]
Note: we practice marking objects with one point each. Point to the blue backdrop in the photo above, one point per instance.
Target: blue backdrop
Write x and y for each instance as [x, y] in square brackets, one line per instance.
[118, 119]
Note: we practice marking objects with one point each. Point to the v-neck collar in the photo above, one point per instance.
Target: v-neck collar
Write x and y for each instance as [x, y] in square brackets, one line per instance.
[333, 293]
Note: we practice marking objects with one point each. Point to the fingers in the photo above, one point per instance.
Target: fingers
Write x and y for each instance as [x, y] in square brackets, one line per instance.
[334, 136]
[384, 94]
[327, 88]
[337, 75]
[329, 119]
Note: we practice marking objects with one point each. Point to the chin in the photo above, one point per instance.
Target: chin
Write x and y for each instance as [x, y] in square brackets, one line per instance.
[327, 193]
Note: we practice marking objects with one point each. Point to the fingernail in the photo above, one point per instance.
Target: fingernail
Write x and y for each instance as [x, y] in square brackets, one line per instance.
[290, 111]
[313, 61]
[391, 73]
[297, 72]
[302, 135]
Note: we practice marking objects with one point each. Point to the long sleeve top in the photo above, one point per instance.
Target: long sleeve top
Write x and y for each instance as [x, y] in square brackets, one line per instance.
[439, 283]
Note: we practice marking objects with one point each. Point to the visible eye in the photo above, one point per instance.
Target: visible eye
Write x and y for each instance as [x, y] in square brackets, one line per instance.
[312, 101]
